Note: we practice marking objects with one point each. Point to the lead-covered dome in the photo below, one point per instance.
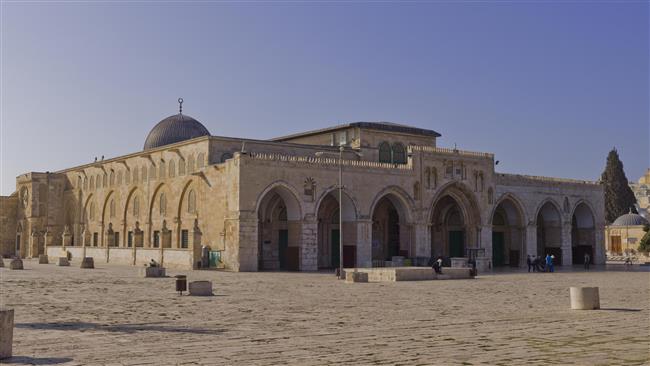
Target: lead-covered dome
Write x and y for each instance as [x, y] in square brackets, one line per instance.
[630, 219]
[176, 128]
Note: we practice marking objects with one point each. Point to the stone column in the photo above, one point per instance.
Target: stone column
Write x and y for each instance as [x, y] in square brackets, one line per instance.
[47, 241]
[531, 239]
[567, 259]
[109, 240]
[66, 238]
[195, 245]
[33, 242]
[485, 241]
[241, 248]
[422, 239]
[84, 242]
[364, 243]
[599, 244]
[309, 244]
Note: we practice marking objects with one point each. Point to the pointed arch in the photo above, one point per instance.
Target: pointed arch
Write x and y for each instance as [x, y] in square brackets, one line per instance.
[350, 204]
[399, 197]
[288, 193]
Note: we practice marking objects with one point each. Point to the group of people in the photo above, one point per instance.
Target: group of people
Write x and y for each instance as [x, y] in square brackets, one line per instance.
[537, 264]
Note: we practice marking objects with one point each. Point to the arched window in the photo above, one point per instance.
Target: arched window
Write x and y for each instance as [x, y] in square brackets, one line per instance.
[85, 182]
[79, 182]
[152, 172]
[434, 177]
[181, 167]
[143, 174]
[384, 153]
[200, 160]
[490, 196]
[111, 209]
[104, 180]
[98, 181]
[111, 181]
[190, 164]
[481, 185]
[163, 204]
[172, 169]
[191, 202]
[136, 206]
[399, 153]
[92, 182]
[91, 214]
[226, 156]
[119, 178]
[161, 169]
[134, 174]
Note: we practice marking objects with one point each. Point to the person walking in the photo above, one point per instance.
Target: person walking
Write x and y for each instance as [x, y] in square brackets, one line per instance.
[587, 261]
[530, 263]
[552, 265]
[548, 263]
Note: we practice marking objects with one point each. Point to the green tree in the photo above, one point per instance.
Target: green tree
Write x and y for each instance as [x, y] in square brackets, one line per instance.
[619, 198]
[644, 244]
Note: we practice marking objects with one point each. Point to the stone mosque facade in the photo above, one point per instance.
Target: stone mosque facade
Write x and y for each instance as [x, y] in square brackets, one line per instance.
[274, 204]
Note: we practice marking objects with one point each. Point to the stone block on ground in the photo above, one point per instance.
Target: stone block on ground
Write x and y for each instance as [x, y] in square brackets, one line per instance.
[200, 288]
[16, 263]
[63, 262]
[584, 298]
[458, 262]
[88, 262]
[353, 277]
[152, 272]
[42, 259]
[6, 332]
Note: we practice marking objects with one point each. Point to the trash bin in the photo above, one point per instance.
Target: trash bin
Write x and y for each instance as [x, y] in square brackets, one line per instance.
[181, 283]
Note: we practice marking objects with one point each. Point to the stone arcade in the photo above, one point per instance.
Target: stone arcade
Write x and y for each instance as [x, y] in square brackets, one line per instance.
[273, 204]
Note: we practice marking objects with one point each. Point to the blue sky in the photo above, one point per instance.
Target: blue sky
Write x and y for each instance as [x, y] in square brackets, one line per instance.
[549, 87]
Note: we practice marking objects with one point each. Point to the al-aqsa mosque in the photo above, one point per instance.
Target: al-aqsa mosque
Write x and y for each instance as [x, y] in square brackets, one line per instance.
[274, 204]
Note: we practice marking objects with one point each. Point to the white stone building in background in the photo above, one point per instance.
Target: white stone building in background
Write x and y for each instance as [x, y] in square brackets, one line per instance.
[641, 191]
[273, 204]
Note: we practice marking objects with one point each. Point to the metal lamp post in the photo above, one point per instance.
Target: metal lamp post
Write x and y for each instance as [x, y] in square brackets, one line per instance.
[320, 153]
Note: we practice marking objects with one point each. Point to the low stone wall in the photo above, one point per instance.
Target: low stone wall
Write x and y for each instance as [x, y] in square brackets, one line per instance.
[145, 255]
[98, 254]
[120, 255]
[177, 258]
[392, 274]
[173, 258]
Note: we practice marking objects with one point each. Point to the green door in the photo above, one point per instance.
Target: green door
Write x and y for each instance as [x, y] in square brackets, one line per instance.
[336, 236]
[456, 244]
[283, 244]
[498, 244]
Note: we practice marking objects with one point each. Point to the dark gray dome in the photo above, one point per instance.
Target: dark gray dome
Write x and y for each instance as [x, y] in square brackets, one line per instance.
[630, 219]
[173, 129]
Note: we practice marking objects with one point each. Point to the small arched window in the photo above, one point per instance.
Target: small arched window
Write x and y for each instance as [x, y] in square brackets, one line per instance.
[92, 182]
[152, 172]
[111, 180]
[111, 209]
[172, 169]
[85, 182]
[490, 196]
[384, 152]
[98, 181]
[399, 153]
[79, 182]
[163, 204]
[119, 178]
[143, 174]
[434, 177]
[136, 206]
[104, 180]
[191, 202]
[200, 160]
[161, 169]
[190, 164]
[181, 167]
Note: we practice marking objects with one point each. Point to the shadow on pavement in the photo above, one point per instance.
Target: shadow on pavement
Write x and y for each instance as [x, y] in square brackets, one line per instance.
[24, 360]
[120, 328]
[619, 309]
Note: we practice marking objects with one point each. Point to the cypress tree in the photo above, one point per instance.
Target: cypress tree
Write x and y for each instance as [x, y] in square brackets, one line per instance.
[619, 198]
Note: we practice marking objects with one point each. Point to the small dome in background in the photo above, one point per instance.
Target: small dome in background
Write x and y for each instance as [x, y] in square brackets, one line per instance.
[630, 219]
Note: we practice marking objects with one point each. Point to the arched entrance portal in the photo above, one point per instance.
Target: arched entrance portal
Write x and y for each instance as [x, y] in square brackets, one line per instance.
[507, 235]
[329, 234]
[583, 234]
[279, 230]
[448, 232]
[549, 232]
[390, 231]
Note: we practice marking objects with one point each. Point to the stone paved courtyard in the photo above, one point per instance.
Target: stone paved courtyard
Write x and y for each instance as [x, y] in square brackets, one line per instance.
[111, 316]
